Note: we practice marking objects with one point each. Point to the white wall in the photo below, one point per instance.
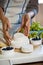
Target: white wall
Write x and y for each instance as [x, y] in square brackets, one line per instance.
[40, 1]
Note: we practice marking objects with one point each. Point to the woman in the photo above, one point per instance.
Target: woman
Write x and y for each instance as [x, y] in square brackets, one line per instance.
[29, 8]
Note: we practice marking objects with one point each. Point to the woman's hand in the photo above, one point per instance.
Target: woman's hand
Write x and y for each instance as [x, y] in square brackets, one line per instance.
[6, 26]
[26, 24]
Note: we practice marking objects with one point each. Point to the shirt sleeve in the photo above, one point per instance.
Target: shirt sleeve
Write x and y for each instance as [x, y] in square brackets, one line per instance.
[32, 13]
[4, 4]
[32, 8]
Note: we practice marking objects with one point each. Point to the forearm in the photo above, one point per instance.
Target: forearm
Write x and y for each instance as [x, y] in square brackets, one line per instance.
[1, 14]
[3, 18]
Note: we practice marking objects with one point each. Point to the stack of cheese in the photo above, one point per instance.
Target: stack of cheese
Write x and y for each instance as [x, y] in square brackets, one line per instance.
[22, 41]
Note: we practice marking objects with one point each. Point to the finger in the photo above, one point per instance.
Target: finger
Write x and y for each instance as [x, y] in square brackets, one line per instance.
[28, 26]
[26, 31]
[8, 36]
[7, 40]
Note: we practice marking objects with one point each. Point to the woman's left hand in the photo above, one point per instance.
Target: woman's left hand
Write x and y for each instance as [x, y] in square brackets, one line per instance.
[26, 24]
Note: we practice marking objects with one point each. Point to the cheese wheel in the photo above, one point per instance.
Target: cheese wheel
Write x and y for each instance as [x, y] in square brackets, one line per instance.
[27, 48]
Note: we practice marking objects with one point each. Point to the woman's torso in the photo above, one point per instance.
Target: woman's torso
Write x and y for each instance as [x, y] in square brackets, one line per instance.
[13, 11]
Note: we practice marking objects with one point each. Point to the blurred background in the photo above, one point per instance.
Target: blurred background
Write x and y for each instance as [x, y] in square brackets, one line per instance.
[39, 16]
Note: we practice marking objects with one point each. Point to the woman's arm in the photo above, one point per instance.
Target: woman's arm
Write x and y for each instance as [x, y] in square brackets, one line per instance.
[5, 22]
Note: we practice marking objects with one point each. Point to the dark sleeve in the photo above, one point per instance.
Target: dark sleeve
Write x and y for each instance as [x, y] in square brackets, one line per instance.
[4, 4]
[32, 5]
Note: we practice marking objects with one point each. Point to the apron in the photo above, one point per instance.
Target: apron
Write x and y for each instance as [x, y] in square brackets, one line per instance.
[14, 12]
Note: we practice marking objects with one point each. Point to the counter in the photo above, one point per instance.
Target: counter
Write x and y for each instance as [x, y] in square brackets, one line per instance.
[19, 58]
